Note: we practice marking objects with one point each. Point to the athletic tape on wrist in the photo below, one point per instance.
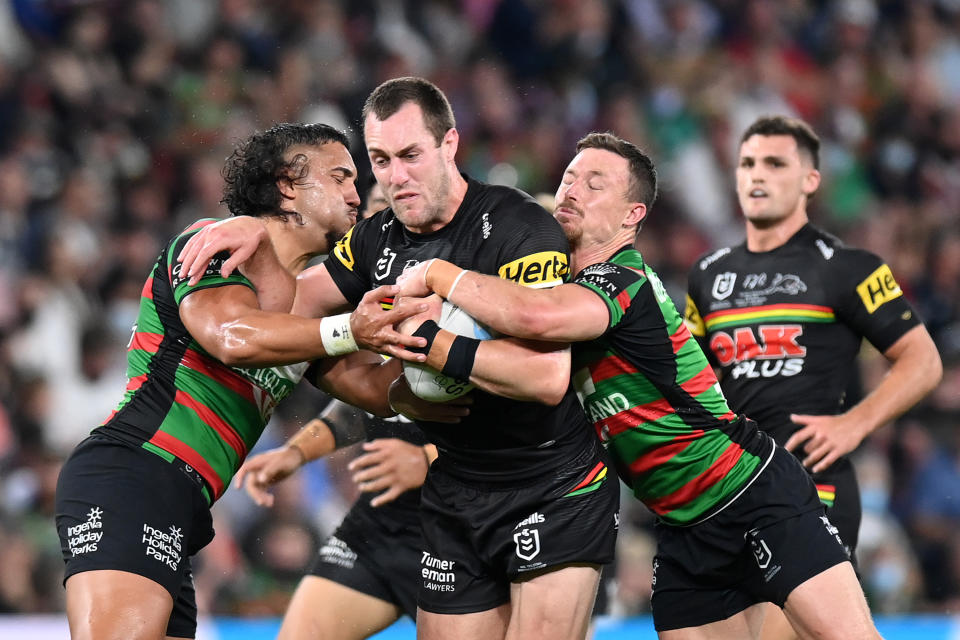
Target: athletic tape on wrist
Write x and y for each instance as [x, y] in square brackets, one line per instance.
[336, 335]
[460, 359]
[428, 330]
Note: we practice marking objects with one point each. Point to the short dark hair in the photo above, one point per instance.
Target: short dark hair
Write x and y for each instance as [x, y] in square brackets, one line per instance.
[778, 125]
[252, 170]
[643, 175]
[391, 95]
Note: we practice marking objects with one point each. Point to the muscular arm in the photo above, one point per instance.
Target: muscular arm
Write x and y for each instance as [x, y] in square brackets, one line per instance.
[228, 324]
[567, 313]
[915, 370]
[361, 379]
[525, 370]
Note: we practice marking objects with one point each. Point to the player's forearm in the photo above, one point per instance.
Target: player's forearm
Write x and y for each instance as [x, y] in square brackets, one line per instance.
[313, 441]
[916, 369]
[360, 379]
[262, 339]
[510, 367]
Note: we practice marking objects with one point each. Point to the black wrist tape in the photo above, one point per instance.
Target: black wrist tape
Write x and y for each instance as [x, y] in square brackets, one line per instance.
[428, 330]
[460, 359]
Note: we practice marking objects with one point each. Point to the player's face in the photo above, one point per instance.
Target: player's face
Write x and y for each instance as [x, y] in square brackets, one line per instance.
[376, 201]
[592, 202]
[326, 197]
[412, 170]
[774, 179]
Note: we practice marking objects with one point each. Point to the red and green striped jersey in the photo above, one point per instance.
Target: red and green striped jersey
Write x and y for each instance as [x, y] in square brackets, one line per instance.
[180, 401]
[655, 401]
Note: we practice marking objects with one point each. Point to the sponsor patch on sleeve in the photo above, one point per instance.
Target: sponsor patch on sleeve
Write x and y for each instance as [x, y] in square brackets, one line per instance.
[878, 288]
[691, 317]
[538, 270]
[343, 251]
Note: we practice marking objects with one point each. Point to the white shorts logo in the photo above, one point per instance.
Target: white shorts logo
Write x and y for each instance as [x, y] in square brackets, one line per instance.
[528, 543]
[83, 538]
[162, 546]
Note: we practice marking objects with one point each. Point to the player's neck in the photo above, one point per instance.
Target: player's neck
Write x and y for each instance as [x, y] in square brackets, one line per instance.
[762, 238]
[285, 238]
[584, 254]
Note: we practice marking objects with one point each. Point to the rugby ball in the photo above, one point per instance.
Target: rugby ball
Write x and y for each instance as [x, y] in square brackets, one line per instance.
[430, 384]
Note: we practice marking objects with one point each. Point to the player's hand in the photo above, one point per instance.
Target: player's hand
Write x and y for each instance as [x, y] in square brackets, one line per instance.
[265, 469]
[824, 439]
[413, 281]
[240, 235]
[409, 405]
[431, 306]
[388, 467]
[373, 326]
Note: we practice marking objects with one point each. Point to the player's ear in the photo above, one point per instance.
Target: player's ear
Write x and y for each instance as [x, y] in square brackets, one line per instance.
[451, 141]
[811, 182]
[636, 214]
[285, 186]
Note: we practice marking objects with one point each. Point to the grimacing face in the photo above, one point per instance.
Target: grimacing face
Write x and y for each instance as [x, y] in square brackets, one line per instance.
[326, 197]
[592, 199]
[774, 179]
[410, 168]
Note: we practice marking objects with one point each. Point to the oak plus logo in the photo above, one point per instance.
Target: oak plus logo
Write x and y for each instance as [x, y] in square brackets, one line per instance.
[773, 350]
[83, 538]
[163, 546]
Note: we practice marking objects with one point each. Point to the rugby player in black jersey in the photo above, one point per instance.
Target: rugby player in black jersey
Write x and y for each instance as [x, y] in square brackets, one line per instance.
[518, 511]
[782, 317]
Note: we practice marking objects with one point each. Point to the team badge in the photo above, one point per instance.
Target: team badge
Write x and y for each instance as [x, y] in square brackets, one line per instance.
[528, 543]
[723, 285]
[385, 263]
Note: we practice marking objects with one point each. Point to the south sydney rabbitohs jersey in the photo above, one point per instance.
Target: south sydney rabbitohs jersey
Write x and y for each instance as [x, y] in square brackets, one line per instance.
[499, 231]
[785, 326]
[180, 401]
[655, 401]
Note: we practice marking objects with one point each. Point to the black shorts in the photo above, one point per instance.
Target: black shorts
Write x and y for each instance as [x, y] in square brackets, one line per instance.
[127, 509]
[840, 494]
[772, 538]
[477, 540]
[380, 562]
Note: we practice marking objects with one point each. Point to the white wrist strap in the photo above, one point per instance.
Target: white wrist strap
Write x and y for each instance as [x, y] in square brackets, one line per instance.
[456, 281]
[336, 335]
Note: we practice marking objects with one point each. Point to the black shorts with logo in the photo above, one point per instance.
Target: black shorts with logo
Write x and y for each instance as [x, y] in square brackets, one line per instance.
[772, 538]
[127, 509]
[376, 556]
[840, 494]
[479, 539]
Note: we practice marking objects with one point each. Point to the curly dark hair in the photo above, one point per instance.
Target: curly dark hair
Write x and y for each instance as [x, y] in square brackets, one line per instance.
[252, 170]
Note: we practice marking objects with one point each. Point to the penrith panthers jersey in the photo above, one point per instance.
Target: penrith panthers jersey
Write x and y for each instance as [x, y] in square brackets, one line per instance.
[784, 326]
[499, 231]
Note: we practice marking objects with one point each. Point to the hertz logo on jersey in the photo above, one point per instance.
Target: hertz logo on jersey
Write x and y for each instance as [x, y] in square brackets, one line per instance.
[878, 288]
[343, 252]
[538, 270]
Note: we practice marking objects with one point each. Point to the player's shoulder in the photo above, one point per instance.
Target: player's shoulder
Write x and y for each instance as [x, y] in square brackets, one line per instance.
[504, 203]
[824, 247]
[715, 259]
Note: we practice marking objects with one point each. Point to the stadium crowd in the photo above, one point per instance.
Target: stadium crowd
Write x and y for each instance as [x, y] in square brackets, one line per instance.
[117, 117]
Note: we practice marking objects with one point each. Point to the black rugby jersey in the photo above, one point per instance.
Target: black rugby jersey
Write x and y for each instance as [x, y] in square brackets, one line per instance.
[784, 326]
[499, 231]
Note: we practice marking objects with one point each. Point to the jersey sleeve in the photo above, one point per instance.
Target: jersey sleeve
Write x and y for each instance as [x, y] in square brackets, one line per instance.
[534, 251]
[179, 282]
[871, 301]
[616, 285]
[348, 263]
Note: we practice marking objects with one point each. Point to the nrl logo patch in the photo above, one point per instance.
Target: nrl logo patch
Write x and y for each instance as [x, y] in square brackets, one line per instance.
[528, 543]
[723, 285]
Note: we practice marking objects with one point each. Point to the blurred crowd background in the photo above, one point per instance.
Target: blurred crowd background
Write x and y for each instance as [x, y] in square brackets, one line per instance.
[116, 116]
